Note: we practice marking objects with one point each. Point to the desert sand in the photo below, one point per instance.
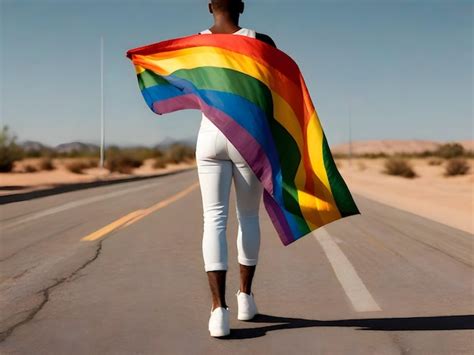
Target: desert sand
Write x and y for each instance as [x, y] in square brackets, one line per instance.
[447, 200]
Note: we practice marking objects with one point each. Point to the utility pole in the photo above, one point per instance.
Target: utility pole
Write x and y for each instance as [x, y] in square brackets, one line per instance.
[102, 123]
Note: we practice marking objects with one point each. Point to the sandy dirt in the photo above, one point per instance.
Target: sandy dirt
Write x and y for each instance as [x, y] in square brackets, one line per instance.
[447, 200]
[20, 181]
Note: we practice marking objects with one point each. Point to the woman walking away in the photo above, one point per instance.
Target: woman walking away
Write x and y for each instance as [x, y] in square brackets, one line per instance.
[219, 163]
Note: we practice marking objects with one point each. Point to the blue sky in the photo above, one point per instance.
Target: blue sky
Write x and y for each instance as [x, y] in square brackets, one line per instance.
[405, 67]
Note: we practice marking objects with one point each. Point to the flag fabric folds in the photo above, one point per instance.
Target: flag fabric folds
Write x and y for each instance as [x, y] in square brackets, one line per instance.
[257, 97]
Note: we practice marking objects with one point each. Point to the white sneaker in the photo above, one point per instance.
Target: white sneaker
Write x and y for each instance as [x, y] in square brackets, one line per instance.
[246, 304]
[219, 322]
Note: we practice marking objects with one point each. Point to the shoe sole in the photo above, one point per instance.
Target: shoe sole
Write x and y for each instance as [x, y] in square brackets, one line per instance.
[244, 316]
[219, 334]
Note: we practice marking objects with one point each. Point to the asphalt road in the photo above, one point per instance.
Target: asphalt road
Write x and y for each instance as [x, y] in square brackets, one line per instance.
[118, 270]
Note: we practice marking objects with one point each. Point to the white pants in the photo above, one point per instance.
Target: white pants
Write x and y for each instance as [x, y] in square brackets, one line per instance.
[218, 163]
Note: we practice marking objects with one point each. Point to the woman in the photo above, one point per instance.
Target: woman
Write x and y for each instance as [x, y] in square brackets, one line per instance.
[218, 164]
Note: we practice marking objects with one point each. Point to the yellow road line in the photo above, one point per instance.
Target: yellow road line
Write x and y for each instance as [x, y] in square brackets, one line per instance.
[135, 216]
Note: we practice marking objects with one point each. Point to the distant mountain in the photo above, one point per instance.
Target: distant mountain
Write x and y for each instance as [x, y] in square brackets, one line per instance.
[33, 146]
[76, 146]
[389, 146]
[170, 141]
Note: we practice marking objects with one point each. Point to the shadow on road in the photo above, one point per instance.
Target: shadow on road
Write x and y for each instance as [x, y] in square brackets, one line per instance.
[457, 322]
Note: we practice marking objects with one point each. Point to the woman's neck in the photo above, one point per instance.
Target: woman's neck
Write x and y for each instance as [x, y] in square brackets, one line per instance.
[224, 23]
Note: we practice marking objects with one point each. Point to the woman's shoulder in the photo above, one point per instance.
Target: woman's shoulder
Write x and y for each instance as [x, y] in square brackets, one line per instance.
[265, 38]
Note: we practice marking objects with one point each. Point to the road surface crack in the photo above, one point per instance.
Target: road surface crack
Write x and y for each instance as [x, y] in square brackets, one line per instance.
[46, 292]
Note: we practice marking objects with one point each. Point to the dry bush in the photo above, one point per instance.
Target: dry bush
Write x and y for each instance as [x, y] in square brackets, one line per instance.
[9, 150]
[77, 166]
[434, 162]
[28, 168]
[122, 163]
[178, 153]
[337, 156]
[159, 163]
[373, 155]
[456, 166]
[93, 163]
[450, 150]
[46, 164]
[140, 153]
[399, 167]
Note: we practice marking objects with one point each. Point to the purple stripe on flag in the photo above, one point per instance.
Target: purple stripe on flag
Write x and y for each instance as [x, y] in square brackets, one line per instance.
[279, 221]
[247, 146]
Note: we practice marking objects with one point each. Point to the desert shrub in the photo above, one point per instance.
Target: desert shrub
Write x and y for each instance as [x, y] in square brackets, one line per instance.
[157, 152]
[92, 163]
[456, 166]
[160, 163]
[42, 151]
[77, 150]
[10, 151]
[450, 150]
[399, 166]
[178, 153]
[139, 153]
[77, 166]
[339, 156]
[46, 164]
[435, 162]
[373, 155]
[424, 154]
[28, 168]
[122, 162]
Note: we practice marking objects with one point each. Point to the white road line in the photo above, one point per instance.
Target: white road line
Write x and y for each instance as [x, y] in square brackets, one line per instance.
[74, 204]
[358, 294]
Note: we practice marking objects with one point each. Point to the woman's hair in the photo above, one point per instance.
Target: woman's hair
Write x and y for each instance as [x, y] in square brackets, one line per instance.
[226, 5]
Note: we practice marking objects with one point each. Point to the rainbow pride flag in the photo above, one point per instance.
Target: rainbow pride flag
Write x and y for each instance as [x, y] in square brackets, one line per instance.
[256, 95]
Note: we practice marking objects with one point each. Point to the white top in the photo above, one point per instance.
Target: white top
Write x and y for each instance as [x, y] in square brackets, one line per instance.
[243, 32]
